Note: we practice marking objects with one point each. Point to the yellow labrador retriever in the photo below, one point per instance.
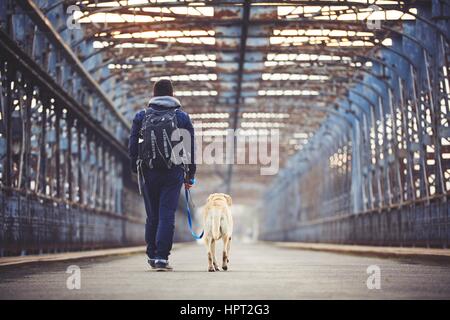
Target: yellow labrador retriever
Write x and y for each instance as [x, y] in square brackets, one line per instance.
[218, 224]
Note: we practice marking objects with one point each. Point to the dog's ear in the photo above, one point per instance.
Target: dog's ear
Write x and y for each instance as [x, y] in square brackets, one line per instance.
[228, 197]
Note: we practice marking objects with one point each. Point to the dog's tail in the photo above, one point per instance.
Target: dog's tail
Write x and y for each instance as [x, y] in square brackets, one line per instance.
[216, 225]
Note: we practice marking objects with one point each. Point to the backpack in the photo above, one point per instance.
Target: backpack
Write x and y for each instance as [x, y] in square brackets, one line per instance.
[155, 145]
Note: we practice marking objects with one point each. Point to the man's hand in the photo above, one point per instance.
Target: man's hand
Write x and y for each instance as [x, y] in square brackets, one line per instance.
[189, 183]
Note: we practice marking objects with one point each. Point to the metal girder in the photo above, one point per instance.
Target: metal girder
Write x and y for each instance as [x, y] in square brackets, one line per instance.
[34, 12]
[395, 147]
[13, 53]
[242, 53]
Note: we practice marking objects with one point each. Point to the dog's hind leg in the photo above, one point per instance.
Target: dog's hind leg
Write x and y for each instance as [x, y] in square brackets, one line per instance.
[213, 252]
[208, 242]
[228, 248]
[226, 252]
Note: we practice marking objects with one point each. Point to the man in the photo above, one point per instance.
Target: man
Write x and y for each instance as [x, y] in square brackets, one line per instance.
[160, 184]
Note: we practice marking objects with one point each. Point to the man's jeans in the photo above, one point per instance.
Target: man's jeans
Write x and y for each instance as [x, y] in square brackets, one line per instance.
[161, 194]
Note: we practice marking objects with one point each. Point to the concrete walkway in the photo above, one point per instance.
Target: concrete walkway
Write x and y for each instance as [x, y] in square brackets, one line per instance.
[66, 256]
[257, 271]
[378, 251]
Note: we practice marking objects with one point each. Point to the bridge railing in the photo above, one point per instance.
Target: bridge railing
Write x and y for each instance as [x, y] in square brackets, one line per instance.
[385, 179]
[64, 170]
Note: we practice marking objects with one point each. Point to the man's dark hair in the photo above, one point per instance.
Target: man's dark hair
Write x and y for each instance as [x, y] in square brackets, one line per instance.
[163, 87]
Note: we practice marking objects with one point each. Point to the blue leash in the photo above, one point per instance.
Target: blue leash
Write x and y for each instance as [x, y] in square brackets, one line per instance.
[188, 211]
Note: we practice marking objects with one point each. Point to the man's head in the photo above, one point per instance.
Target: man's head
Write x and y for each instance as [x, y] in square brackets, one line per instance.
[163, 87]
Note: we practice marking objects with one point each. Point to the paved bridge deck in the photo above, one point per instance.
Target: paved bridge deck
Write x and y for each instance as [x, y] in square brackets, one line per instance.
[258, 271]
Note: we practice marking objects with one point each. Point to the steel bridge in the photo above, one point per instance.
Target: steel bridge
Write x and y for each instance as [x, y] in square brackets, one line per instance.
[358, 91]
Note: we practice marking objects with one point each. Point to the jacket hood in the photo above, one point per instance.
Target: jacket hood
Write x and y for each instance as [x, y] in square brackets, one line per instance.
[165, 102]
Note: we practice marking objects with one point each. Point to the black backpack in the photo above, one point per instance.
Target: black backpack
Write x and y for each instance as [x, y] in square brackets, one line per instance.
[155, 145]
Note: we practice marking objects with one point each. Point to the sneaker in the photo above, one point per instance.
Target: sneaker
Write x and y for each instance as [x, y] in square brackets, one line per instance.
[152, 262]
[162, 265]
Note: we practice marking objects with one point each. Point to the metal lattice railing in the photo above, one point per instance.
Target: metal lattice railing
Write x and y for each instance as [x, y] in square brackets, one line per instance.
[384, 177]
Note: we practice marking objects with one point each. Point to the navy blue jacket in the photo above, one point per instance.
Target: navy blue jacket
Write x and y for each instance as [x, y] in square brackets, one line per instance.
[184, 122]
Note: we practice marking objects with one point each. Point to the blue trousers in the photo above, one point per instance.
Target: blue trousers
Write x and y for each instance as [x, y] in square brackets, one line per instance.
[161, 194]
